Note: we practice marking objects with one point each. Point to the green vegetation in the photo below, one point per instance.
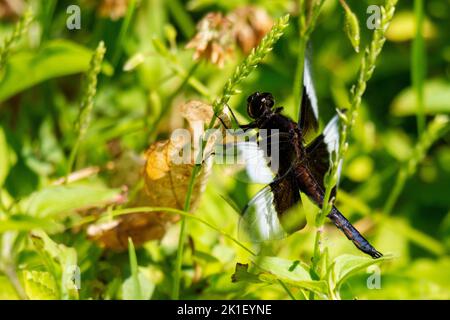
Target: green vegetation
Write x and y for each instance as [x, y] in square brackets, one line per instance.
[79, 108]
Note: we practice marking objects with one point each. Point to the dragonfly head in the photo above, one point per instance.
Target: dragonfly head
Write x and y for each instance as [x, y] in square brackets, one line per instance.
[258, 103]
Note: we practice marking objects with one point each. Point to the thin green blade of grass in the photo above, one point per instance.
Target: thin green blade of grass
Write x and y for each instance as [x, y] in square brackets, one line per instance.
[181, 17]
[19, 30]
[123, 32]
[435, 130]
[418, 64]
[306, 27]
[47, 18]
[137, 294]
[347, 120]
[87, 103]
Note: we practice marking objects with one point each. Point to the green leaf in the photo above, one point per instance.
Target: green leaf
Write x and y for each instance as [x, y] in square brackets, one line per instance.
[436, 98]
[348, 265]
[138, 286]
[134, 62]
[146, 285]
[205, 256]
[351, 27]
[135, 287]
[54, 59]
[61, 262]
[241, 274]
[40, 285]
[294, 273]
[7, 291]
[22, 222]
[4, 159]
[56, 200]
[402, 227]
[283, 268]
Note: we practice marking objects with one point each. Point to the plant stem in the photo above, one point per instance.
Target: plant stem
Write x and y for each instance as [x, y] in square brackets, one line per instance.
[123, 33]
[179, 69]
[168, 103]
[121, 212]
[47, 18]
[348, 119]
[298, 81]
[283, 285]
[418, 64]
[317, 6]
[395, 192]
[317, 253]
[72, 157]
[134, 270]
[306, 27]
[87, 103]
[11, 273]
[182, 236]
[180, 16]
[20, 29]
[436, 129]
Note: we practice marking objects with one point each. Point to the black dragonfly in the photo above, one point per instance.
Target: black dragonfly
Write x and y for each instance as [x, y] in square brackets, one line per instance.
[301, 168]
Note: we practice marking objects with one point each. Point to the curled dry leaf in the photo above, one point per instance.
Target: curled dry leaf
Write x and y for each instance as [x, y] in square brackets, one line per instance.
[214, 39]
[250, 24]
[167, 171]
[11, 9]
[217, 34]
[113, 9]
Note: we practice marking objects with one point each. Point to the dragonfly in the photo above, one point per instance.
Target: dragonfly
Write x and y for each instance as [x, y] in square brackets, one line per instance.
[301, 168]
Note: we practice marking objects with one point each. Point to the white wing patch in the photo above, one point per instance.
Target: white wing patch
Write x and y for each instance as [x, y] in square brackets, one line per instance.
[256, 164]
[309, 85]
[331, 139]
[331, 135]
[260, 221]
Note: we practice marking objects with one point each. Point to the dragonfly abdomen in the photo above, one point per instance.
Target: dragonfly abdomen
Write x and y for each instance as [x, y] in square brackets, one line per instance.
[352, 234]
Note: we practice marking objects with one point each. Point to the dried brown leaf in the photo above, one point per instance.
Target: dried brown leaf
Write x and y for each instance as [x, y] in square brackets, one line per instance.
[166, 184]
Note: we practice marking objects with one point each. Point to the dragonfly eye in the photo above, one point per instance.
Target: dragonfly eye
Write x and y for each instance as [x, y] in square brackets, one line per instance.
[268, 100]
[255, 105]
[258, 103]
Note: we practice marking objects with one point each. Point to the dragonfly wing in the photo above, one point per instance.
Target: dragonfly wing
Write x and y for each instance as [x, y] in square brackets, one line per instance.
[309, 111]
[254, 156]
[320, 149]
[268, 215]
[257, 164]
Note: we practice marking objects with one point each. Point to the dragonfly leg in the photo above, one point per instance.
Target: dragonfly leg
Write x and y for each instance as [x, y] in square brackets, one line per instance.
[251, 125]
[352, 234]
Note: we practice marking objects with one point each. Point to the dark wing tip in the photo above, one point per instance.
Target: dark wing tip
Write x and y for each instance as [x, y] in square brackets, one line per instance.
[375, 254]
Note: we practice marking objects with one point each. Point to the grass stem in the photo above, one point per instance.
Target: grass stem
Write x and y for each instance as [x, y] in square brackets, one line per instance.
[348, 119]
[123, 33]
[19, 30]
[418, 65]
[87, 103]
[436, 129]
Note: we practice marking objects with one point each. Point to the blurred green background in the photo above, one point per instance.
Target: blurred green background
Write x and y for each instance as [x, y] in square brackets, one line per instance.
[40, 92]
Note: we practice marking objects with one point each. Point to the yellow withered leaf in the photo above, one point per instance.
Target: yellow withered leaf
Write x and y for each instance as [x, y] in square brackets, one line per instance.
[167, 171]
